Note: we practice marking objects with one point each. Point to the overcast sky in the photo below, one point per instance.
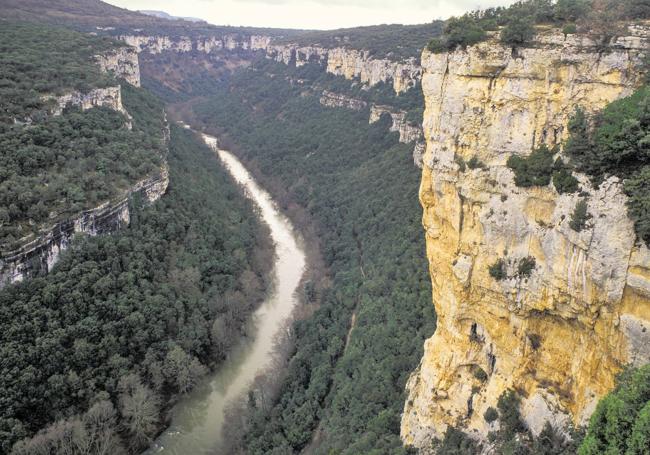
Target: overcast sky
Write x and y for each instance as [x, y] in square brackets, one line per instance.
[313, 14]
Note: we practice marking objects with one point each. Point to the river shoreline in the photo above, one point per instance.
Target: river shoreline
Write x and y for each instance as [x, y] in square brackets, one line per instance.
[197, 418]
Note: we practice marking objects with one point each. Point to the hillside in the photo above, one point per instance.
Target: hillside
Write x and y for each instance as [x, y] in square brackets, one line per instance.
[76, 143]
[100, 332]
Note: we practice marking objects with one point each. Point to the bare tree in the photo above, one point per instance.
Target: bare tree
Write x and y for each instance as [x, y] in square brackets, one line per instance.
[139, 407]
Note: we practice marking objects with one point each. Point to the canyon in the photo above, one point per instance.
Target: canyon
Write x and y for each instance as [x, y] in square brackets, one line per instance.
[560, 336]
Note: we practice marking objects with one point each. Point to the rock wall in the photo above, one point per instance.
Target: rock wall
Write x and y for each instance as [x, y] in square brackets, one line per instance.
[122, 62]
[331, 99]
[560, 336]
[40, 254]
[110, 97]
[407, 131]
[349, 63]
[352, 64]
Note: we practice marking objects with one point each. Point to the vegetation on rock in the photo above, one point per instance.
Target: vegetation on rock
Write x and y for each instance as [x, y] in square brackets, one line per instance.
[517, 22]
[616, 145]
[535, 169]
[621, 422]
[54, 167]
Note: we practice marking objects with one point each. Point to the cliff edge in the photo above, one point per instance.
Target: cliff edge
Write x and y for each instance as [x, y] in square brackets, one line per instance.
[559, 336]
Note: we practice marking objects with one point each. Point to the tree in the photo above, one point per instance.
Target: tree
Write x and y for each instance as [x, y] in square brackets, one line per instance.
[580, 216]
[139, 408]
[518, 31]
[571, 10]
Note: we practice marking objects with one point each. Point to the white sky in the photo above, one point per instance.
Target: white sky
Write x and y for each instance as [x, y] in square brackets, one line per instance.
[311, 14]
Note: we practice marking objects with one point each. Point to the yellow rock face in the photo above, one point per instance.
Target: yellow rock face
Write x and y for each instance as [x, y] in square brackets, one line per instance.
[560, 336]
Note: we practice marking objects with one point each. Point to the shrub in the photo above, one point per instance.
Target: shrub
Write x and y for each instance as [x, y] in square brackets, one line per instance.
[509, 415]
[475, 163]
[479, 373]
[519, 31]
[526, 266]
[461, 163]
[534, 170]
[437, 46]
[638, 205]
[490, 415]
[569, 29]
[563, 179]
[571, 10]
[463, 31]
[535, 340]
[580, 216]
[498, 270]
[458, 443]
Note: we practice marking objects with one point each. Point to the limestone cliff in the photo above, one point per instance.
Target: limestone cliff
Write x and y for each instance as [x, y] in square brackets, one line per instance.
[349, 63]
[110, 97]
[42, 252]
[560, 336]
[122, 62]
[408, 132]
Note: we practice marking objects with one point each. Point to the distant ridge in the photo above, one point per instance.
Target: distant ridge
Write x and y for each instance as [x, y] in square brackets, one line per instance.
[164, 15]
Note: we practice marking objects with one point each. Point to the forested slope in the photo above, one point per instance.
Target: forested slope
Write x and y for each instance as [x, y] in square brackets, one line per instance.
[54, 166]
[126, 321]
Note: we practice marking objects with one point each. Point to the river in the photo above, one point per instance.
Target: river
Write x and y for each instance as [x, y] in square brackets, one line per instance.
[197, 419]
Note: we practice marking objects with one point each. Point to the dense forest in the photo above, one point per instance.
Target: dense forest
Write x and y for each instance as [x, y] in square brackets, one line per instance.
[52, 167]
[37, 60]
[360, 187]
[97, 347]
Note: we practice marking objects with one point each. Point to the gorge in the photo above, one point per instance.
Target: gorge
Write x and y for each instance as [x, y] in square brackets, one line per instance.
[451, 241]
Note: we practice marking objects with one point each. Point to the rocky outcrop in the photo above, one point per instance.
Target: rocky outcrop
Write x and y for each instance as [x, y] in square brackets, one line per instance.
[560, 335]
[160, 43]
[352, 64]
[349, 63]
[110, 97]
[41, 253]
[121, 62]
[331, 99]
[407, 131]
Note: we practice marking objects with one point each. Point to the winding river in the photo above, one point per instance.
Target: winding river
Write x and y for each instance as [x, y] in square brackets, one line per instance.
[197, 419]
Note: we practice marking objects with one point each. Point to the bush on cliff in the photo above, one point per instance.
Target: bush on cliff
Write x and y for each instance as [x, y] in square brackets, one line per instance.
[617, 145]
[621, 422]
[533, 170]
[518, 31]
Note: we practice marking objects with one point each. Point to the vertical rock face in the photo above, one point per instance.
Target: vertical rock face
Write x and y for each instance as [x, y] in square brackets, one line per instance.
[110, 97]
[560, 336]
[123, 63]
[349, 63]
[407, 131]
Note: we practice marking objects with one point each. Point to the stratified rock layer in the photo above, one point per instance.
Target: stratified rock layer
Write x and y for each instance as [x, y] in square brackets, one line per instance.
[349, 63]
[560, 336]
